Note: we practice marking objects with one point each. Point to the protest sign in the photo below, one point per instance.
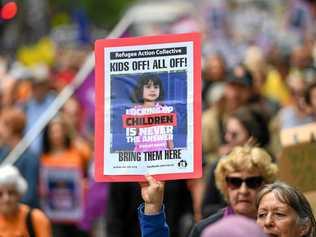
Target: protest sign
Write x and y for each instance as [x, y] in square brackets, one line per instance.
[148, 108]
[61, 193]
[300, 134]
[297, 166]
[297, 161]
[311, 197]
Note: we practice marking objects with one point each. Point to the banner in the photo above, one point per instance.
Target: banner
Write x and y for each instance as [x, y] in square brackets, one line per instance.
[297, 166]
[148, 108]
[296, 135]
[61, 194]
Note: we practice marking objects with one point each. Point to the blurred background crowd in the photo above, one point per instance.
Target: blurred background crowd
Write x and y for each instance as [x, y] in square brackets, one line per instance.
[259, 76]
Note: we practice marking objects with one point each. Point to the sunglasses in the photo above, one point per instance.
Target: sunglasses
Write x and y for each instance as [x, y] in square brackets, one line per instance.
[253, 182]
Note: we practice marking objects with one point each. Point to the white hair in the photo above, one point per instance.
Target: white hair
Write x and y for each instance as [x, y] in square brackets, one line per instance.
[10, 176]
[215, 93]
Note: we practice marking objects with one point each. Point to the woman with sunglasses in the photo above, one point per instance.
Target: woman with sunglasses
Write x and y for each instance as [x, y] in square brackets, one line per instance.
[246, 123]
[239, 177]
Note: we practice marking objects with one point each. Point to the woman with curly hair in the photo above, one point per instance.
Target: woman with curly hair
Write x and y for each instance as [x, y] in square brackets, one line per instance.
[239, 177]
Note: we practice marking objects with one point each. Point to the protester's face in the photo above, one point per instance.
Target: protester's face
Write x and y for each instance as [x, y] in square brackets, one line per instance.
[5, 133]
[215, 68]
[71, 111]
[298, 96]
[56, 134]
[151, 91]
[234, 97]
[300, 57]
[235, 133]
[8, 200]
[39, 91]
[242, 198]
[277, 218]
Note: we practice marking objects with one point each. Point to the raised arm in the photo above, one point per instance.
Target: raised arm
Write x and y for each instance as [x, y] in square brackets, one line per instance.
[151, 214]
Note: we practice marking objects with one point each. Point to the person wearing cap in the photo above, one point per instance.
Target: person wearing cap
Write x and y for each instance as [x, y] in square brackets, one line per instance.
[16, 218]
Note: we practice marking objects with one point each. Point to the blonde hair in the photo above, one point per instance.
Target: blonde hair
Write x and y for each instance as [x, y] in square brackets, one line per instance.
[245, 158]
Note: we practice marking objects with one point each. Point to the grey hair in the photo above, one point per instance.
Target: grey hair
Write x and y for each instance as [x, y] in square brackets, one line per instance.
[295, 199]
[10, 176]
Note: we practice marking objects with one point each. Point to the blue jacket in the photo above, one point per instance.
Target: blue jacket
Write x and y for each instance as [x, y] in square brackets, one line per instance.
[152, 225]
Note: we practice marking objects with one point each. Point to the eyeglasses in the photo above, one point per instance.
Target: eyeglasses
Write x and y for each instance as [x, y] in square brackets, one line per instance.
[253, 182]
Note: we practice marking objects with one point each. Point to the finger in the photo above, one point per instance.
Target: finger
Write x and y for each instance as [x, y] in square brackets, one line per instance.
[143, 184]
[150, 179]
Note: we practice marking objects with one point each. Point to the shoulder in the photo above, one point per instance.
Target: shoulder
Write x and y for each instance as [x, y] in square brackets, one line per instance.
[211, 219]
[36, 214]
[199, 227]
[41, 223]
[39, 216]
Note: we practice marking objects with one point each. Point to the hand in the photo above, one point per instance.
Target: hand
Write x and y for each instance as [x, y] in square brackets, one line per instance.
[152, 194]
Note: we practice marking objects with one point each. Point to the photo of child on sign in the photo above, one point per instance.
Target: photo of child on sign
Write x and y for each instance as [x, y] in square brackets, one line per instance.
[150, 124]
[149, 119]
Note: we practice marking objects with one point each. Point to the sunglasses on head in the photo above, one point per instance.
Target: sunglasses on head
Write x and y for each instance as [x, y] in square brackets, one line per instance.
[253, 182]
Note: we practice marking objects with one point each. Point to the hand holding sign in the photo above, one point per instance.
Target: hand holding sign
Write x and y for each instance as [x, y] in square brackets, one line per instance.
[152, 194]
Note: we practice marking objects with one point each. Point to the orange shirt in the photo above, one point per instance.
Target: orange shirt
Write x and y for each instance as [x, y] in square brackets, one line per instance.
[68, 158]
[16, 226]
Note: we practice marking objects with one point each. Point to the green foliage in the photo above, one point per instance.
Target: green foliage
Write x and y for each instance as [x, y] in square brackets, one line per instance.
[103, 13]
[106, 12]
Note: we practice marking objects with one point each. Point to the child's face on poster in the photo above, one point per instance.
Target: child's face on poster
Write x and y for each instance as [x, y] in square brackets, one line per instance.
[151, 91]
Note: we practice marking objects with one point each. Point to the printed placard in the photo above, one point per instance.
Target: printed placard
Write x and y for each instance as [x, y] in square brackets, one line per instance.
[148, 108]
[61, 193]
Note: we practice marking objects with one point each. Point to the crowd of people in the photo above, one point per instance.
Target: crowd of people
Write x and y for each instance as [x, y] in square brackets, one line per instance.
[259, 77]
[277, 208]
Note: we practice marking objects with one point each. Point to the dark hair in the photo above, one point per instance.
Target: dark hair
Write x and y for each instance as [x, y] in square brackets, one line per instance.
[144, 79]
[293, 198]
[255, 123]
[307, 95]
[244, 80]
[46, 142]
